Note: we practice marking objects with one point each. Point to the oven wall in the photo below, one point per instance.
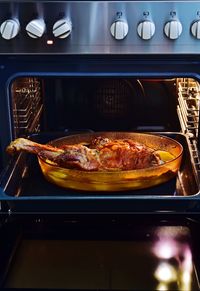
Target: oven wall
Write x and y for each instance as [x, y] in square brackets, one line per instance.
[102, 104]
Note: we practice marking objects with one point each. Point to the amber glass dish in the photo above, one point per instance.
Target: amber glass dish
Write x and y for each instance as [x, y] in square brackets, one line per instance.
[169, 149]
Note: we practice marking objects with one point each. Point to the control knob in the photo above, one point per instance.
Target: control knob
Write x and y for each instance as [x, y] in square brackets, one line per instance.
[146, 29]
[36, 28]
[195, 29]
[9, 28]
[119, 29]
[173, 29]
[62, 28]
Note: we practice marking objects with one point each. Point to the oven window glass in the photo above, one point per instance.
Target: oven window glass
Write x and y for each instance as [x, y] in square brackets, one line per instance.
[158, 258]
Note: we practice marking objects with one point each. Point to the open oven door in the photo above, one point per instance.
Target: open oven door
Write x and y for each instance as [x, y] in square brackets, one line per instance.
[100, 253]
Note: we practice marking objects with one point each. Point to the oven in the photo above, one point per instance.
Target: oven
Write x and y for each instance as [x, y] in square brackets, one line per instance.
[85, 67]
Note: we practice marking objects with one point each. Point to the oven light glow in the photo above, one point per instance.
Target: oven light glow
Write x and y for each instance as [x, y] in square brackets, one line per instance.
[162, 287]
[186, 278]
[165, 273]
[187, 263]
[186, 274]
[186, 281]
[166, 248]
[49, 41]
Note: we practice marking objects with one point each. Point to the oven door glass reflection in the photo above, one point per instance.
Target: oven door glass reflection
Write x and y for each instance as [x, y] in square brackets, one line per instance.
[155, 258]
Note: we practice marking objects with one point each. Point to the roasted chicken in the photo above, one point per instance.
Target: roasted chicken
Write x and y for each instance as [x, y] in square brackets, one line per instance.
[102, 154]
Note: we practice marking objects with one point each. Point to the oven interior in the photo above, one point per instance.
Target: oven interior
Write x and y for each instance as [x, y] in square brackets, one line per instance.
[45, 108]
[98, 104]
[104, 103]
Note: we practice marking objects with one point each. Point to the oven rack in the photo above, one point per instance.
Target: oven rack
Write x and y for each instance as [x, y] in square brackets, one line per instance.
[23, 189]
[188, 112]
[195, 154]
[27, 106]
[188, 106]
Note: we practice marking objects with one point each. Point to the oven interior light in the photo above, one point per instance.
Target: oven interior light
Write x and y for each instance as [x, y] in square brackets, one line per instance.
[162, 287]
[166, 248]
[165, 273]
[49, 41]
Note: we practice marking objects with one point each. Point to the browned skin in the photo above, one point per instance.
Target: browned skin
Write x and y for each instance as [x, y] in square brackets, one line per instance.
[101, 154]
[23, 144]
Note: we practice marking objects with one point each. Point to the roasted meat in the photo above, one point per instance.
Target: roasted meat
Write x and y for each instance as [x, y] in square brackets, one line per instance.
[102, 154]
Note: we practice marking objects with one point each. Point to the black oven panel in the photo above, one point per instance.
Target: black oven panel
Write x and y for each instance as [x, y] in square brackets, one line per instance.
[98, 27]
